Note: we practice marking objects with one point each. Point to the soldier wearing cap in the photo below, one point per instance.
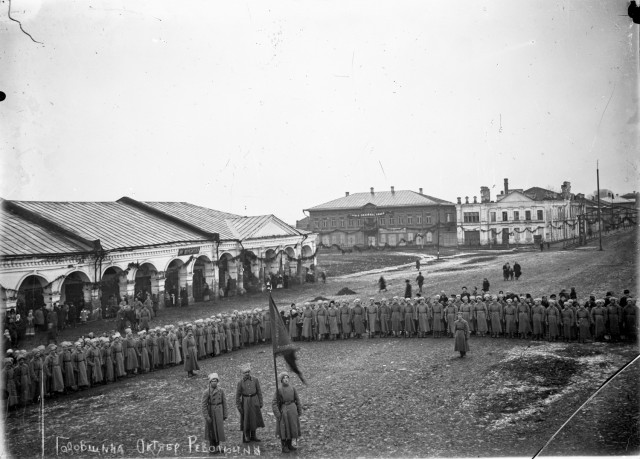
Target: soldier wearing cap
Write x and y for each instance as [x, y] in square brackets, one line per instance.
[287, 409]
[54, 382]
[214, 411]
[307, 322]
[249, 404]
[190, 353]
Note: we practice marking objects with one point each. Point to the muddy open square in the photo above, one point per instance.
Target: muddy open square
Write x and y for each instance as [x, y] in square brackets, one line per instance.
[383, 397]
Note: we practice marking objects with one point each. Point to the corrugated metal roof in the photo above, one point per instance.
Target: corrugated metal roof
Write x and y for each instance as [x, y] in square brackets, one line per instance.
[22, 237]
[260, 227]
[115, 224]
[400, 198]
[209, 220]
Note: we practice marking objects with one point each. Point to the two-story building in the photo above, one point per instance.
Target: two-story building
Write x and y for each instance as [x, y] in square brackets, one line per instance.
[380, 218]
[518, 216]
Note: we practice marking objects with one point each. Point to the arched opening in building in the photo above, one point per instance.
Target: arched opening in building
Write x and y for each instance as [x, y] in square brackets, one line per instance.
[227, 282]
[250, 281]
[144, 275]
[110, 291]
[30, 294]
[289, 265]
[172, 282]
[308, 267]
[73, 290]
[201, 271]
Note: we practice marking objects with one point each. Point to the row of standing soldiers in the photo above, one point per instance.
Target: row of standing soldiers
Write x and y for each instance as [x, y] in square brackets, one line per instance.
[494, 315]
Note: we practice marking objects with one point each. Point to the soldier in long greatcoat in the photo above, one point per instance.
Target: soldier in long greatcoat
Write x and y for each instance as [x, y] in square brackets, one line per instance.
[599, 318]
[462, 333]
[190, 353]
[568, 319]
[307, 322]
[372, 313]
[345, 319]
[214, 411]
[437, 310]
[333, 318]
[287, 410]
[553, 318]
[249, 404]
[537, 318]
[496, 316]
[322, 318]
[614, 317]
[358, 318]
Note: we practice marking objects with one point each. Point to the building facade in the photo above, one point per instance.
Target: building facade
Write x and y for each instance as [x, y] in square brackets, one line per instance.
[519, 217]
[86, 252]
[387, 218]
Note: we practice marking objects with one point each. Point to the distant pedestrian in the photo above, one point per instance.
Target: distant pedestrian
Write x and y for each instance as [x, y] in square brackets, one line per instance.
[420, 281]
[485, 285]
[517, 270]
[505, 270]
[382, 284]
[418, 264]
[407, 289]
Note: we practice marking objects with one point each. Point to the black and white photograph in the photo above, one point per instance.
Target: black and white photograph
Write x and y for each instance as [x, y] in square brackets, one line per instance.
[319, 228]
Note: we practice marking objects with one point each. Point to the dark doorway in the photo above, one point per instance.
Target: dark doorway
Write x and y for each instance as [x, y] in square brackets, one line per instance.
[505, 236]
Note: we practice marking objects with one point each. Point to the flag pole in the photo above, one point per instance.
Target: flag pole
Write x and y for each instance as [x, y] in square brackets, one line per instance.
[273, 340]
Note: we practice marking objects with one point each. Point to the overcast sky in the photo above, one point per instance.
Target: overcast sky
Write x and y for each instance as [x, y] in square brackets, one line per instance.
[258, 107]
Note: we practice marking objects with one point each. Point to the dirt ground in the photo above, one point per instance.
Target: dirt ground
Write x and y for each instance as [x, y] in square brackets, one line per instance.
[384, 397]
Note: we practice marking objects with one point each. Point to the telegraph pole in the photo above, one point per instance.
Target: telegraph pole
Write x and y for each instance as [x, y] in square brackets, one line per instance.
[599, 220]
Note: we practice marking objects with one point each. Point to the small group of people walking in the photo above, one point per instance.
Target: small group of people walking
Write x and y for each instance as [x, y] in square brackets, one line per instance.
[510, 272]
[286, 407]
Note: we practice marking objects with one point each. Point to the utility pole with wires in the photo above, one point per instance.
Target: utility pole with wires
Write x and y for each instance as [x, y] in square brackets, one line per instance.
[599, 218]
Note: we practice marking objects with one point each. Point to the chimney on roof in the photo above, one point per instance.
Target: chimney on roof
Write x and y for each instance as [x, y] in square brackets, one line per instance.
[485, 194]
[372, 190]
[506, 186]
[420, 190]
[459, 200]
[393, 191]
[475, 200]
[346, 193]
[466, 199]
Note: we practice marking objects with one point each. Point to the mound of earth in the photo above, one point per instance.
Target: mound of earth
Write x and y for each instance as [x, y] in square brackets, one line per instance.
[320, 298]
[346, 291]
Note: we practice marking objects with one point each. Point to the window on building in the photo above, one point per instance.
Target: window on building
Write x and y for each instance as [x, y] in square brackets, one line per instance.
[504, 217]
[471, 217]
[527, 215]
[493, 216]
[516, 215]
[359, 222]
[449, 217]
[400, 220]
[351, 222]
[383, 238]
[324, 223]
[429, 237]
[540, 214]
[316, 223]
[409, 220]
[410, 237]
[333, 222]
[392, 221]
[427, 218]
[382, 221]
[342, 223]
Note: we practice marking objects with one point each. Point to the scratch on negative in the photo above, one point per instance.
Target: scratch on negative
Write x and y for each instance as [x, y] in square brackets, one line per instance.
[20, 24]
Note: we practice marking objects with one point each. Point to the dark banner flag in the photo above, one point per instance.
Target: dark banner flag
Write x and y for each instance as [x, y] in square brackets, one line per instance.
[282, 344]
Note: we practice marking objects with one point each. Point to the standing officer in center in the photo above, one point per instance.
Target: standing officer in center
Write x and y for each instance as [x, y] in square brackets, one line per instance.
[249, 404]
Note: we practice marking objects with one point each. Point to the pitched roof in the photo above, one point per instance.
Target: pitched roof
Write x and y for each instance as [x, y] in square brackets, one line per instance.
[21, 237]
[262, 226]
[208, 219]
[115, 224]
[400, 198]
